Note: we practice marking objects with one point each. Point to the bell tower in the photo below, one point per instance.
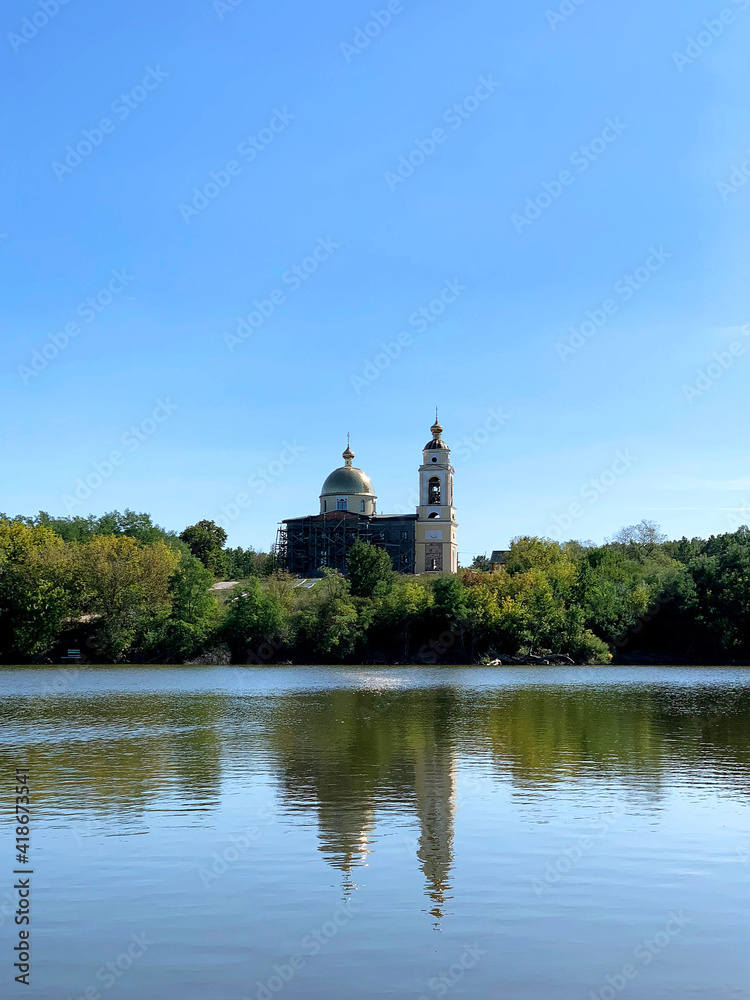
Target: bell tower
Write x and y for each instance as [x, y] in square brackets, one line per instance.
[436, 545]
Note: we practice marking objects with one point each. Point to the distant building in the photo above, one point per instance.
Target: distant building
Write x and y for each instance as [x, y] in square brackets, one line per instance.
[423, 542]
[498, 559]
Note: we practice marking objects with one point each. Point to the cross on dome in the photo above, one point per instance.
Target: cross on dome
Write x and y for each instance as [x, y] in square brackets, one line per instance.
[348, 455]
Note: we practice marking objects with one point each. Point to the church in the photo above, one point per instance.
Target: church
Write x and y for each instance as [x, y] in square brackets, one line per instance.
[423, 542]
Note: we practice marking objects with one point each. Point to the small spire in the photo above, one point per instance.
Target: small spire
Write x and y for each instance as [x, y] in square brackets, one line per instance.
[348, 455]
[436, 429]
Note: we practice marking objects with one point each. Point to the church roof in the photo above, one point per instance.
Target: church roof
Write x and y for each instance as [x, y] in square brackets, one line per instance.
[347, 481]
[437, 441]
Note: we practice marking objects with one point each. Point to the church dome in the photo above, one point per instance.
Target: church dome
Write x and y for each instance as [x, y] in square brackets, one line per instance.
[347, 481]
[437, 441]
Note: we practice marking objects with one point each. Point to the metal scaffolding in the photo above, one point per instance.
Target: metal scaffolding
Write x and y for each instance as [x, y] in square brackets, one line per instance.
[306, 545]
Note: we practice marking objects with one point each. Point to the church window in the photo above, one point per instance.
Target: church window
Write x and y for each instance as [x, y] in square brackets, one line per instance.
[362, 506]
[434, 515]
[434, 458]
[341, 504]
[325, 506]
[404, 536]
[433, 492]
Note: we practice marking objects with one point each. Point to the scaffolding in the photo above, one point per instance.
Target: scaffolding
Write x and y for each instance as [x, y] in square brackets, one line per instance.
[307, 545]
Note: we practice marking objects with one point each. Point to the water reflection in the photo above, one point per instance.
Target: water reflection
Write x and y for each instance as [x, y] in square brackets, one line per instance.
[346, 756]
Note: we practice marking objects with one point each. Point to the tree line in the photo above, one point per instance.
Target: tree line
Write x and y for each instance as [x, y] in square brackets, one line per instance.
[122, 589]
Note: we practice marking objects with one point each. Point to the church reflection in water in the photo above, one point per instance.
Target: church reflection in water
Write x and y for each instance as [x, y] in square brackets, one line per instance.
[355, 755]
[348, 758]
[373, 751]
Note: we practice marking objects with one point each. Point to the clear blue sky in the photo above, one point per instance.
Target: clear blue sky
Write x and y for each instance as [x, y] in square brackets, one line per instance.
[315, 124]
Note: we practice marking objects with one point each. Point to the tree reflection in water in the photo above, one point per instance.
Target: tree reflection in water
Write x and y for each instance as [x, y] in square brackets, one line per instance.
[348, 755]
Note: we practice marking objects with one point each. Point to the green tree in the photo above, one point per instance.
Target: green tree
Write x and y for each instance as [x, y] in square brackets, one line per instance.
[449, 607]
[254, 618]
[327, 625]
[193, 617]
[82, 529]
[534, 553]
[720, 603]
[192, 600]
[640, 540]
[39, 588]
[206, 541]
[370, 569]
[127, 588]
[402, 617]
[482, 564]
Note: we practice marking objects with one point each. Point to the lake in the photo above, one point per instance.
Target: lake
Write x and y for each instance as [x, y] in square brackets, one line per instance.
[218, 833]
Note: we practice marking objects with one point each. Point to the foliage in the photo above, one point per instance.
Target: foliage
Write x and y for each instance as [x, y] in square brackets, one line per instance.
[82, 529]
[370, 569]
[206, 542]
[241, 564]
[254, 618]
[127, 586]
[328, 625]
[38, 588]
[122, 588]
[193, 618]
[640, 540]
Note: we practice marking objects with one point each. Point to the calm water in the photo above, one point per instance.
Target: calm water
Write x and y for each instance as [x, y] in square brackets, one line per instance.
[360, 833]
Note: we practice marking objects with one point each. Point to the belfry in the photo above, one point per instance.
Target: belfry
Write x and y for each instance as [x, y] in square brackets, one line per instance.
[423, 542]
[436, 549]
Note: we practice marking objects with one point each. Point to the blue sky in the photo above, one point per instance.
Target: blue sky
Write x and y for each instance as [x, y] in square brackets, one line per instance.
[182, 164]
